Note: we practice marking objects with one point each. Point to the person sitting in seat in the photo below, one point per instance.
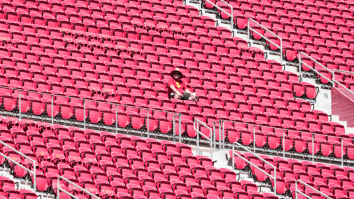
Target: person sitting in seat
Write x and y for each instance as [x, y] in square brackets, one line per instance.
[177, 88]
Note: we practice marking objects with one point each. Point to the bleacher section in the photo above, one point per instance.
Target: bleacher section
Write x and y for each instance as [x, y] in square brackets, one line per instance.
[123, 54]
[111, 165]
[333, 180]
[105, 64]
[321, 29]
[123, 166]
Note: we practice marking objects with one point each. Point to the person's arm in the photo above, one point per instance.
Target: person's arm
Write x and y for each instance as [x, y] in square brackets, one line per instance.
[175, 90]
[187, 91]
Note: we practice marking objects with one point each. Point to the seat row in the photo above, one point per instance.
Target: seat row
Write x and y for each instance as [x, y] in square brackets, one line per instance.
[332, 180]
[303, 26]
[328, 134]
[116, 165]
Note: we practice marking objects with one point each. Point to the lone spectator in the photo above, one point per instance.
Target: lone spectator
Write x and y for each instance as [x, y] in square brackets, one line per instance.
[177, 88]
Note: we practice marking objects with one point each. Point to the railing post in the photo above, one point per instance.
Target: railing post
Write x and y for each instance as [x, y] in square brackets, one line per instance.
[254, 138]
[116, 119]
[52, 102]
[313, 148]
[19, 105]
[283, 143]
[214, 130]
[281, 51]
[300, 64]
[197, 138]
[34, 176]
[219, 134]
[180, 127]
[211, 145]
[275, 181]
[249, 32]
[58, 188]
[84, 114]
[223, 134]
[147, 124]
[174, 127]
[295, 189]
[233, 157]
[232, 21]
[342, 151]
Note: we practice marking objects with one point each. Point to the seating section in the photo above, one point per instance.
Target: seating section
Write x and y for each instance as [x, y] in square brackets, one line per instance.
[8, 190]
[321, 29]
[119, 52]
[113, 165]
[332, 180]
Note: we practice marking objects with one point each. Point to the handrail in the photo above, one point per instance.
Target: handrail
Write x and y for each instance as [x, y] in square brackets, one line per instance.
[297, 191]
[222, 137]
[336, 82]
[196, 128]
[341, 71]
[266, 29]
[77, 186]
[18, 164]
[85, 99]
[174, 127]
[312, 69]
[249, 162]
[229, 14]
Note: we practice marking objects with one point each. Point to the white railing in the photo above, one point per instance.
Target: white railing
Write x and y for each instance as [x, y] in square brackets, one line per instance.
[196, 126]
[222, 143]
[20, 114]
[18, 164]
[249, 28]
[179, 129]
[249, 162]
[221, 128]
[312, 69]
[77, 186]
[298, 191]
[344, 87]
[229, 14]
[336, 82]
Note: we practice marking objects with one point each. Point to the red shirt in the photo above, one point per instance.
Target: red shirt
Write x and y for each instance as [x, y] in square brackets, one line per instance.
[179, 85]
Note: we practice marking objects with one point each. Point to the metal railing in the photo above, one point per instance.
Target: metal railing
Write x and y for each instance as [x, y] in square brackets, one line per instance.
[249, 28]
[77, 186]
[20, 114]
[344, 87]
[337, 82]
[221, 128]
[341, 71]
[249, 162]
[229, 14]
[210, 139]
[223, 144]
[312, 188]
[312, 69]
[18, 164]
